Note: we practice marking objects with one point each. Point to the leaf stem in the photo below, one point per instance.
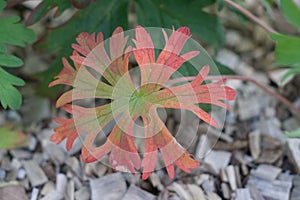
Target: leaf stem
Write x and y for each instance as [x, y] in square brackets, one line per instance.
[294, 110]
[250, 16]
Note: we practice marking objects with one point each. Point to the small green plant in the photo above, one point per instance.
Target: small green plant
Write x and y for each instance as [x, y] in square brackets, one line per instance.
[11, 33]
[287, 52]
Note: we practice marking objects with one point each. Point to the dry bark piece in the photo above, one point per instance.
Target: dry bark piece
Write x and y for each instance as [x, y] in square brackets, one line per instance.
[135, 193]
[35, 173]
[109, 187]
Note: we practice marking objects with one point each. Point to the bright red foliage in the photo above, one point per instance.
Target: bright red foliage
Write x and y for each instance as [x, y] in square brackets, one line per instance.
[129, 103]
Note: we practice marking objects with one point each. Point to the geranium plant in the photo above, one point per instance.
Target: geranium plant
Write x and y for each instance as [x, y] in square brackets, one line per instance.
[129, 102]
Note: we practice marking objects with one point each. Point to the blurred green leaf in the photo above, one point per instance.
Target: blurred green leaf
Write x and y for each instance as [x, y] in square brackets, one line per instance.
[11, 33]
[9, 95]
[166, 13]
[11, 139]
[294, 133]
[101, 16]
[10, 60]
[14, 33]
[291, 12]
[44, 7]
[287, 50]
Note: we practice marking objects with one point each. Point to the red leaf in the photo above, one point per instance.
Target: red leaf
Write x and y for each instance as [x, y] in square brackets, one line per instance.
[129, 103]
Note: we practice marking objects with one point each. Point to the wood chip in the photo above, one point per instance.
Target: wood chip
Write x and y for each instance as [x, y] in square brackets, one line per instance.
[230, 171]
[213, 196]
[217, 160]
[254, 144]
[34, 194]
[255, 193]
[35, 173]
[109, 187]
[13, 192]
[21, 154]
[74, 165]
[294, 153]
[61, 183]
[180, 191]
[196, 192]
[243, 194]
[55, 153]
[226, 190]
[275, 190]
[47, 188]
[70, 193]
[267, 172]
[135, 193]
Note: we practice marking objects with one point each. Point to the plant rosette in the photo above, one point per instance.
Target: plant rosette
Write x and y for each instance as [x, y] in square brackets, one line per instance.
[102, 71]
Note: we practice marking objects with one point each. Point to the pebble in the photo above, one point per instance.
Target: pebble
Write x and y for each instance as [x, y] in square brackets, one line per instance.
[227, 58]
[83, 194]
[21, 174]
[2, 174]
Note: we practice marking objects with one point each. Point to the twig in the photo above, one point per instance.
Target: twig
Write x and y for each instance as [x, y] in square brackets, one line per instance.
[290, 105]
[250, 16]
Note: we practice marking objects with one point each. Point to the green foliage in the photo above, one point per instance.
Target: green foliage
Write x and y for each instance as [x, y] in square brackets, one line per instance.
[288, 47]
[11, 139]
[291, 12]
[9, 95]
[165, 13]
[110, 14]
[294, 133]
[100, 16]
[12, 33]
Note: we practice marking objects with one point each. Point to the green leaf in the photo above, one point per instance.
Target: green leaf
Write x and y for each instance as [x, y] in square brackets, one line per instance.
[11, 139]
[287, 50]
[45, 6]
[291, 12]
[11, 33]
[101, 16]
[9, 95]
[10, 60]
[15, 33]
[166, 13]
[2, 5]
[294, 133]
